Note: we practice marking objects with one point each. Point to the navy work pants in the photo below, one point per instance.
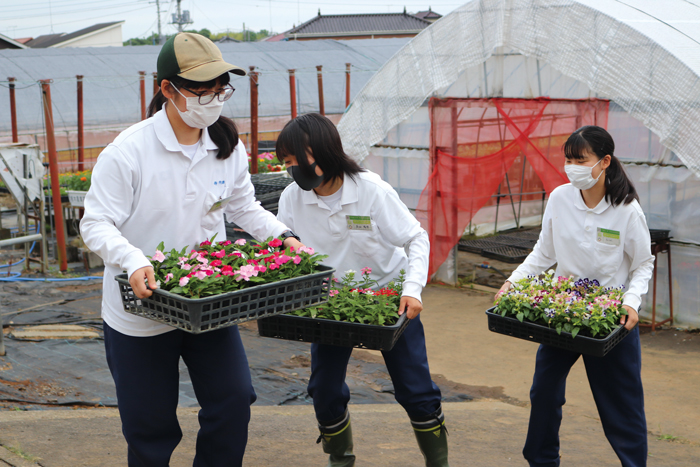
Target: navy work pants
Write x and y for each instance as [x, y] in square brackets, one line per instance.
[407, 363]
[616, 383]
[145, 372]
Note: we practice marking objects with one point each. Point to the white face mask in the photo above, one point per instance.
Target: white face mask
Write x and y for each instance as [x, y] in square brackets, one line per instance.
[198, 115]
[580, 175]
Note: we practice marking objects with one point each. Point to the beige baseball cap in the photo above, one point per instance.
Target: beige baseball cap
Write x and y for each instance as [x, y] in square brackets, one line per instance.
[193, 57]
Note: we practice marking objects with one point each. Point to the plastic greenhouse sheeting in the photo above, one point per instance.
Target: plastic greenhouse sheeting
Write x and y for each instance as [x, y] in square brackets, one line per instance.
[111, 79]
[643, 54]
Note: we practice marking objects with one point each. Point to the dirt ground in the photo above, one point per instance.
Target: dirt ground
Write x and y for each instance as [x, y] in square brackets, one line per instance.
[465, 358]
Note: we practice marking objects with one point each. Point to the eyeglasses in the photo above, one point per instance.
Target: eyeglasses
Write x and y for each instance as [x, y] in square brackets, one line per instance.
[206, 97]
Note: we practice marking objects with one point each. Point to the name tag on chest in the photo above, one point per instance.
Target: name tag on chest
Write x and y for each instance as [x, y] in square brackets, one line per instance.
[220, 204]
[608, 237]
[359, 222]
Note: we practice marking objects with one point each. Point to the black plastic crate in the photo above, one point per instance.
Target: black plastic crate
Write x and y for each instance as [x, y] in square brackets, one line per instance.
[657, 234]
[331, 332]
[197, 315]
[545, 335]
[506, 253]
[477, 245]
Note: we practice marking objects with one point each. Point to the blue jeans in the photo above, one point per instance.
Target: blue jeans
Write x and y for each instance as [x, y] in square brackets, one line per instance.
[145, 372]
[407, 363]
[616, 383]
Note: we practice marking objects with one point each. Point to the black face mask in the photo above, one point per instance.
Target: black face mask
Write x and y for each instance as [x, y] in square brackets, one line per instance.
[305, 182]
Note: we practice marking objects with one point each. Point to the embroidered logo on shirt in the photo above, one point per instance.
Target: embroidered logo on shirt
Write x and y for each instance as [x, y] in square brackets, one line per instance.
[359, 222]
[608, 237]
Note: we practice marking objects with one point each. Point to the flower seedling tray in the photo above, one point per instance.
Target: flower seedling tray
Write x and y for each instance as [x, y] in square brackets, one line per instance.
[77, 198]
[506, 253]
[331, 332]
[197, 315]
[548, 336]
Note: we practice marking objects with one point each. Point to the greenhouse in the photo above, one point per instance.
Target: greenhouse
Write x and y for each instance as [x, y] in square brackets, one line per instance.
[466, 121]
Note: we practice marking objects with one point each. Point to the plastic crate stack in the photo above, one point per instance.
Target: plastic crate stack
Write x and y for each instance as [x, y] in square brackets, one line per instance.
[510, 248]
[268, 189]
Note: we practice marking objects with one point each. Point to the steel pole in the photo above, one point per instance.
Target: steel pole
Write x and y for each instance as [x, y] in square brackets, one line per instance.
[321, 106]
[293, 92]
[253, 120]
[142, 85]
[53, 171]
[347, 85]
[13, 110]
[81, 140]
[156, 88]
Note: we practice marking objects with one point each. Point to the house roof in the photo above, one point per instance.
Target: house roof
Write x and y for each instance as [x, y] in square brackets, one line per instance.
[12, 42]
[374, 23]
[428, 14]
[49, 40]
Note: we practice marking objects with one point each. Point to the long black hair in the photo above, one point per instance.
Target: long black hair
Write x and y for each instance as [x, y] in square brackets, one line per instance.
[316, 132]
[594, 140]
[222, 132]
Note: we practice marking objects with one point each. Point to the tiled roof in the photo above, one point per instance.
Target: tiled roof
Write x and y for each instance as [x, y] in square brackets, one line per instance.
[48, 40]
[428, 14]
[361, 23]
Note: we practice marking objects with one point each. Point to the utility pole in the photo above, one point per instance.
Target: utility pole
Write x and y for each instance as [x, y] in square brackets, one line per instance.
[181, 19]
[159, 41]
[160, 32]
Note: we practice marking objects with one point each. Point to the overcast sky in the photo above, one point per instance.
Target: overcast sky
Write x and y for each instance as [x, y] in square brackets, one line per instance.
[32, 18]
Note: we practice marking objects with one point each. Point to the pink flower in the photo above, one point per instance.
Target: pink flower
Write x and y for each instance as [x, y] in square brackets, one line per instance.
[280, 260]
[227, 273]
[184, 281]
[236, 253]
[226, 243]
[261, 268]
[297, 259]
[273, 266]
[168, 276]
[366, 270]
[306, 249]
[201, 275]
[215, 263]
[205, 243]
[333, 293]
[246, 272]
[240, 241]
[219, 254]
[159, 256]
[275, 242]
[186, 267]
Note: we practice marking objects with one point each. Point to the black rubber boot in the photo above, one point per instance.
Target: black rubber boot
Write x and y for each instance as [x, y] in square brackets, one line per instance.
[431, 435]
[336, 437]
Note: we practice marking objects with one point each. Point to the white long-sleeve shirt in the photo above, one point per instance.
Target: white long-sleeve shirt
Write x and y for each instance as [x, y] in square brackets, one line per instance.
[607, 243]
[145, 190]
[389, 230]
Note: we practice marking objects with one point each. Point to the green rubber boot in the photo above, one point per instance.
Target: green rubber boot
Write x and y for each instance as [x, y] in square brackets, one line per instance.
[431, 434]
[336, 437]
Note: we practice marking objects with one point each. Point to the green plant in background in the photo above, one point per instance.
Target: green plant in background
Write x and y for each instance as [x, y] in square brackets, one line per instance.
[73, 181]
[356, 301]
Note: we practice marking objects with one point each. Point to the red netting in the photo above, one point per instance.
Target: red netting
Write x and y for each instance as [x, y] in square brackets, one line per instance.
[476, 143]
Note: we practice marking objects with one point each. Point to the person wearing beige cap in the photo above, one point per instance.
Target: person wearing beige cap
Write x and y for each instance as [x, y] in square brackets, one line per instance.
[171, 178]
